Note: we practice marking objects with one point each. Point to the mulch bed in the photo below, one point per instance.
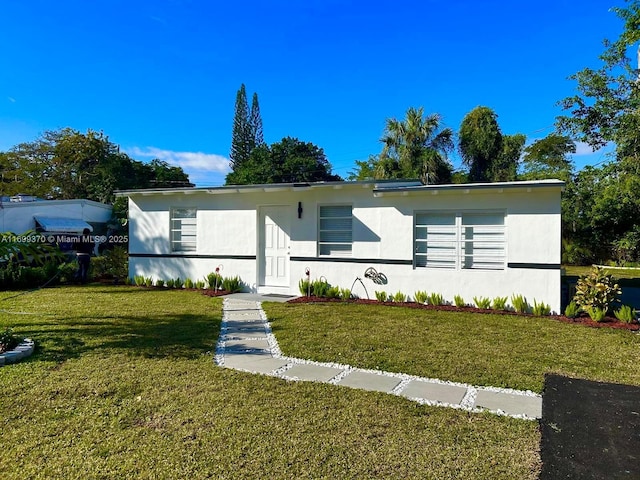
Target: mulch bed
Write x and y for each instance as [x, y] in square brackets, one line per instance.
[608, 322]
[589, 429]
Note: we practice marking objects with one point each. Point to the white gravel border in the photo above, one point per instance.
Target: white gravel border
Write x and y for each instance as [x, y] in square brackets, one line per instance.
[467, 403]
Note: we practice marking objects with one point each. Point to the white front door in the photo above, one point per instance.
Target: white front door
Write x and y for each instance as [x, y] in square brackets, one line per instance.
[274, 246]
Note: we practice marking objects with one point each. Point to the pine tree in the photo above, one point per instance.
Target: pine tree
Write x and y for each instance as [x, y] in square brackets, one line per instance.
[255, 123]
[241, 145]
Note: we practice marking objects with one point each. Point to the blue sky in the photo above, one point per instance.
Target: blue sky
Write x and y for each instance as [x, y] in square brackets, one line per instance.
[160, 78]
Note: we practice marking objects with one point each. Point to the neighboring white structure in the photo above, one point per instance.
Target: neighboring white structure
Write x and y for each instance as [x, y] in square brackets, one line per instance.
[492, 239]
[52, 216]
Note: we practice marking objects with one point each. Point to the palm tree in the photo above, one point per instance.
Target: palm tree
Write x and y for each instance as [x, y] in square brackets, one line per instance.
[416, 147]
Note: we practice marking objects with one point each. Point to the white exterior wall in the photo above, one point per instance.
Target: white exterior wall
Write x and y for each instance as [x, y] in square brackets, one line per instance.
[228, 230]
[17, 217]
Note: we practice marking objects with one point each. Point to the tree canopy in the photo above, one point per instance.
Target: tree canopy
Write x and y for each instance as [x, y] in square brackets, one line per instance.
[289, 160]
[489, 155]
[415, 147]
[66, 164]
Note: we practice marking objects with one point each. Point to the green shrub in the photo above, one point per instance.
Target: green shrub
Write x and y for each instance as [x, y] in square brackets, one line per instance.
[540, 309]
[178, 283]
[98, 267]
[116, 262]
[459, 301]
[519, 303]
[214, 281]
[8, 340]
[421, 296]
[138, 280]
[596, 290]
[399, 297]
[333, 292]
[345, 294]
[381, 296]
[320, 287]
[596, 314]
[200, 284]
[159, 283]
[148, 282]
[625, 314]
[188, 283]
[482, 302]
[232, 284]
[499, 303]
[435, 299]
[572, 310]
[171, 283]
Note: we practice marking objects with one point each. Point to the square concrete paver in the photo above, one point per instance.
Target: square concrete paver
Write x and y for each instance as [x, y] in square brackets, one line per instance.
[436, 392]
[246, 344]
[261, 363]
[314, 373]
[242, 316]
[509, 403]
[245, 324]
[369, 381]
[249, 334]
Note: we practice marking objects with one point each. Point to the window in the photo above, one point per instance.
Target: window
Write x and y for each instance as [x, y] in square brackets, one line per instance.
[183, 229]
[483, 241]
[436, 241]
[334, 233]
[466, 240]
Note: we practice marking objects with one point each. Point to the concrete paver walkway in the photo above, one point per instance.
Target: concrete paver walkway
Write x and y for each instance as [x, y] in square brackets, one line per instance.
[247, 343]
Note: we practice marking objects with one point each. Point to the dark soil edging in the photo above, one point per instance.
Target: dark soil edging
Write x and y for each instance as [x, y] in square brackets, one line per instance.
[608, 322]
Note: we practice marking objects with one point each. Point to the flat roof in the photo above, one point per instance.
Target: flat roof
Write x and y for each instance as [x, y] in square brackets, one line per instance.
[380, 187]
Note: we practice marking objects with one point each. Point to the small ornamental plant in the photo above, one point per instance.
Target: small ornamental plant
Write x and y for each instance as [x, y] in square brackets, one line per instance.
[399, 297]
[625, 314]
[435, 299]
[520, 304]
[345, 293]
[482, 302]
[572, 310]
[381, 296]
[459, 301]
[596, 290]
[8, 341]
[499, 303]
[421, 296]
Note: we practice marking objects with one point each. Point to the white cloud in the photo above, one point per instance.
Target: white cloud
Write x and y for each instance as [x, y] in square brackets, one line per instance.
[11, 99]
[202, 168]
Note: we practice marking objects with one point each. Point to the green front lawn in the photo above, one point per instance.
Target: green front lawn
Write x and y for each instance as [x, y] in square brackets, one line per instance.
[122, 385]
[480, 349]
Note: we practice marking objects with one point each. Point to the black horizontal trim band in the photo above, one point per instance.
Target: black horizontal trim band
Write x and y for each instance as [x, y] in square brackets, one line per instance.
[536, 266]
[378, 261]
[191, 255]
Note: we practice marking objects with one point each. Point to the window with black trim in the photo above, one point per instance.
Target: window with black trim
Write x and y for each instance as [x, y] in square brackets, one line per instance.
[335, 230]
[183, 229]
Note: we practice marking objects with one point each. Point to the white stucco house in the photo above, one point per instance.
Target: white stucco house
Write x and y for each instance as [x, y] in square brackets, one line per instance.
[24, 212]
[490, 239]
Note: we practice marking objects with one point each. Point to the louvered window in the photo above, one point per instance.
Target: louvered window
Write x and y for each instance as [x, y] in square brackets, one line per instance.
[335, 231]
[467, 240]
[183, 229]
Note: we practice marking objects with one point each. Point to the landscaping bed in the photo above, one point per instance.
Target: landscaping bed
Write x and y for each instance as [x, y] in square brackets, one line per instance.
[582, 319]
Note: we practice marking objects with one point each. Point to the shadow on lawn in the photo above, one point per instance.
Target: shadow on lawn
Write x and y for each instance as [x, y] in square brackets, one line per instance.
[178, 336]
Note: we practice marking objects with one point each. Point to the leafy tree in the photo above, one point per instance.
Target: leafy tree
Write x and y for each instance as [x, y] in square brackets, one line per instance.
[289, 160]
[489, 155]
[547, 158]
[504, 168]
[480, 142]
[67, 164]
[365, 169]
[607, 106]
